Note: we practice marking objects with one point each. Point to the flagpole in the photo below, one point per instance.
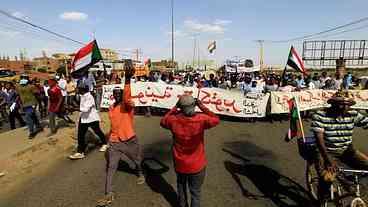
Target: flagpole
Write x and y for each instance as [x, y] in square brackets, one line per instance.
[283, 76]
[299, 118]
[284, 73]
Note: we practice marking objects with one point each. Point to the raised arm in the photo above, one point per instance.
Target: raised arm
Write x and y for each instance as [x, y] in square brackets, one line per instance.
[166, 120]
[212, 119]
[127, 96]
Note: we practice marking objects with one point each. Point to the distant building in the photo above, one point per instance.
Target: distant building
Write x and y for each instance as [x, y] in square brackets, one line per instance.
[109, 54]
[47, 63]
[163, 65]
[17, 66]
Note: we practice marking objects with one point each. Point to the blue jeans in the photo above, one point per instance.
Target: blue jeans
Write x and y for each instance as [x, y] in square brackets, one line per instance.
[31, 119]
[194, 182]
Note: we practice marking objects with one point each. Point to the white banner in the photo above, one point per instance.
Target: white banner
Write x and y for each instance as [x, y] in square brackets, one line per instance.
[241, 69]
[313, 99]
[220, 101]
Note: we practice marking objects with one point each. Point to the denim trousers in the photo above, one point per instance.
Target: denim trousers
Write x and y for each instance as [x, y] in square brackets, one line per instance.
[194, 182]
[31, 119]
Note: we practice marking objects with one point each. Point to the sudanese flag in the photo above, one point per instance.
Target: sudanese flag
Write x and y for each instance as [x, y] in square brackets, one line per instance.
[85, 58]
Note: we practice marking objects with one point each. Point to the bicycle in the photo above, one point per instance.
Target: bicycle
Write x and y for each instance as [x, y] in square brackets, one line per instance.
[337, 192]
[336, 195]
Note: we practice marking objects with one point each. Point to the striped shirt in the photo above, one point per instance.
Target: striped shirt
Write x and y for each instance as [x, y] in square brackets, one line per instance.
[337, 130]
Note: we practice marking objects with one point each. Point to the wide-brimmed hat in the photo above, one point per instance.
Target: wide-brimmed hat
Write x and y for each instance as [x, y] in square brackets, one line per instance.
[342, 97]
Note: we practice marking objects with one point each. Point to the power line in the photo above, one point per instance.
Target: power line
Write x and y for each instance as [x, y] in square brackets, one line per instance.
[25, 31]
[342, 32]
[322, 32]
[40, 27]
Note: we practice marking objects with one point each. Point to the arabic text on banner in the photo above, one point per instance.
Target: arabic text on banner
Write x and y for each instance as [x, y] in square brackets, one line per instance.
[313, 99]
[220, 101]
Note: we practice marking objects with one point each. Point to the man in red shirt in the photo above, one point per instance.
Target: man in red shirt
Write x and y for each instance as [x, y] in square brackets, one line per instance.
[190, 161]
[56, 106]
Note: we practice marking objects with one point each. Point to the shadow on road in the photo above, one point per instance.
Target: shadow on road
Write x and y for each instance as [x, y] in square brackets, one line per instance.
[157, 182]
[281, 190]
[153, 172]
[252, 150]
[161, 150]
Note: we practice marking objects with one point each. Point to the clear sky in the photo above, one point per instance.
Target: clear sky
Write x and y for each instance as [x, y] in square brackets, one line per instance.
[145, 24]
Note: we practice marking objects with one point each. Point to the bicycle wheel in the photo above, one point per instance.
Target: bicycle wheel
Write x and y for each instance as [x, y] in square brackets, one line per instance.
[358, 202]
[335, 199]
[311, 176]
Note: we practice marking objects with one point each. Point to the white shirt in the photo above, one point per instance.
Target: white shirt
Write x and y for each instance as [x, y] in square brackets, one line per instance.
[62, 85]
[88, 112]
[46, 89]
[311, 86]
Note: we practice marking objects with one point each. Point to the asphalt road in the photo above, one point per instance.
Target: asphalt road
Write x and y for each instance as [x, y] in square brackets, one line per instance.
[249, 165]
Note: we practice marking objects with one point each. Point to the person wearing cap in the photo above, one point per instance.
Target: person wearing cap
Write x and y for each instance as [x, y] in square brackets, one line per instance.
[27, 93]
[333, 129]
[56, 106]
[89, 118]
[123, 141]
[190, 161]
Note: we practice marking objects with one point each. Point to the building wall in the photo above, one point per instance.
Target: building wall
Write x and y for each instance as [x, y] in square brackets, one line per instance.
[16, 66]
[50, 64]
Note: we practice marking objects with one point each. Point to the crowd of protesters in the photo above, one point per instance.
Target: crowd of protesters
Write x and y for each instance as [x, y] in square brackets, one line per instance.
[28, 101]
[59, 96]
[253, 82]
[54, 97]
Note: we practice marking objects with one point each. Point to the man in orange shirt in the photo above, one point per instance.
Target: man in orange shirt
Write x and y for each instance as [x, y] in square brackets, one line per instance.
[122, 139]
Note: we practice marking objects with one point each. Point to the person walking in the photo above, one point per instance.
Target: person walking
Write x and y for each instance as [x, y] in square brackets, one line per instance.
[71, 91]
[123, 141]
[40, 96]
[190, 161]
[56, 106]
[89, 118]
[12, 101]
[27, 93]
[45, 100]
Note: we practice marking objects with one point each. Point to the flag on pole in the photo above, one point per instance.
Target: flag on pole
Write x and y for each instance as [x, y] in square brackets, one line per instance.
[294, 118]
[85, 58]
[212, 47]
[295, 61]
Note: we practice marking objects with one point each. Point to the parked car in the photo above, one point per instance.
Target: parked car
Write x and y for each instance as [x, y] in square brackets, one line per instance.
[6, 73]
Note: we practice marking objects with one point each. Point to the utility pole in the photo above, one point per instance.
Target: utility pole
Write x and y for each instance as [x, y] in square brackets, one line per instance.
[199, 60]
[66, 67]
[137, 55]
[172, 33]
[194, 51]
[261, 60]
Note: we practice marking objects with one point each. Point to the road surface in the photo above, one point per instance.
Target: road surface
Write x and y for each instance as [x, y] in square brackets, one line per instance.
[249, 165]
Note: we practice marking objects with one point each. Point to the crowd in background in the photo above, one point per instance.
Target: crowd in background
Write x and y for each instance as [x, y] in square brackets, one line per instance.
[254, 82]
[58, 97]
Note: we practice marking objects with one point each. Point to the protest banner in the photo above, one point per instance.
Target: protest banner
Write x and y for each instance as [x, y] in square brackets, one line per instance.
[313, 99]
[220, 101]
